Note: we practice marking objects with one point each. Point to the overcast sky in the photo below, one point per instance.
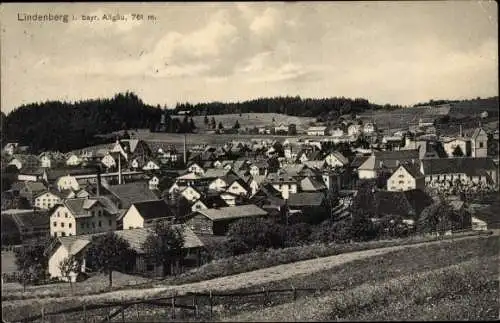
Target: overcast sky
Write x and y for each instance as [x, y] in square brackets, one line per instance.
[387, 52]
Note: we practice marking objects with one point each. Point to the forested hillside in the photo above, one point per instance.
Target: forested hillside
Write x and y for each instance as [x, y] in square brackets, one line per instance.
[325, 108]
[66, 126]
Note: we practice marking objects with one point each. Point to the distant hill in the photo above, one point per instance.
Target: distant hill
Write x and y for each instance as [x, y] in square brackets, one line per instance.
[66, 126]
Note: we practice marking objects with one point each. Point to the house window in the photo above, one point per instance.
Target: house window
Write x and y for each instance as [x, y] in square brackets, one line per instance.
[63, 234]
[481, 145]
[100, 224]
[66, 215]
[401, 182]
[62, 224]
[110, 223]
[93, 225]
[69, 225]
[55, 224]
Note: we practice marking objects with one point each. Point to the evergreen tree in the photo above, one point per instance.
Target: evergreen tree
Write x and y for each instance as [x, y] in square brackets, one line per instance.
[213, 124]
[220, 126]
[236, 125]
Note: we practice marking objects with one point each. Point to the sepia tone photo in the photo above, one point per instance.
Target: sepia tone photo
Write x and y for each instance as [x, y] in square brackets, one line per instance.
[249, 161]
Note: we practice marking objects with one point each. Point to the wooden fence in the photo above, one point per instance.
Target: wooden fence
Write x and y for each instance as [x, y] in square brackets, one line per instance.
[189, 306]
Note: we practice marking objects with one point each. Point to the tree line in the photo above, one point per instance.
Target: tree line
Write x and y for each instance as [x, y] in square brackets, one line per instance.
[325, 108]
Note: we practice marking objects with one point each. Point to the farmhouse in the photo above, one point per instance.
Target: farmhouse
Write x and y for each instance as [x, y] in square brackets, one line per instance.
[283, 183]
[208, 201]
[73, 160]
[28, 190]
[406, 177]
[47, 200]
[82, 216]
[146, 214]
[141, 264]
[216, 221]
[24, 225]
[450, 144]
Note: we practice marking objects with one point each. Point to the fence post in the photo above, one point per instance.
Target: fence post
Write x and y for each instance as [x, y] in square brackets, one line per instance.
[173, 306]
[137, 310]
[294, 293]
[195, 306]
[84, 313]
[123, 311]
[263, 297]
[211, 304]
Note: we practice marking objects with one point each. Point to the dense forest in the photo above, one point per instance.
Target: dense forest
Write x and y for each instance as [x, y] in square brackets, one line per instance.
[66, 126]
[323, 109]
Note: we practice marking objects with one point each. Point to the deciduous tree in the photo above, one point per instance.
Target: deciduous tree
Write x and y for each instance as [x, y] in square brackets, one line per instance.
[109, 252]
[165, 244]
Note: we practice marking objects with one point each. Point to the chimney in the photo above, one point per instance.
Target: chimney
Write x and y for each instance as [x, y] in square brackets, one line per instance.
[381, 164]
[461, 131]
[185, 150]
[98, 191]
[119, 169]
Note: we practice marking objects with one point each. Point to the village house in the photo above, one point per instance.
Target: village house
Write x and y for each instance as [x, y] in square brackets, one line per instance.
[313, 206]
[82, 216]
[216, 221]
[73, 160]
[24, 226]
[146, 214]
[354, 130]
[336, 159]
[48, 199]
[406, 177]
[283, 183]
[281, 129]
[317, 131]
[312, 184]
[24, 161]
[208, 201]
[153, 182]
[28, 190]
[151, 165]
[141, 264]
[467, 170]
[196, 169]
[46, 160]
[124, 195]
[10, 148]
[191, 194]
[369, 128]
[385, 161]
[450, 144]
[238, 187]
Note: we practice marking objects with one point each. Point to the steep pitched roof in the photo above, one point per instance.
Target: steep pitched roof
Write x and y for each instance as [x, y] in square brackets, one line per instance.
[477, 132]
[306, 199]
[154, 209]
[79, 206]
[311, 184]
[340, 157]
[413, 169]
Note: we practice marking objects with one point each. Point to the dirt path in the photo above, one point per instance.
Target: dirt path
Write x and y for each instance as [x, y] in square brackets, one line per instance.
[233, 282]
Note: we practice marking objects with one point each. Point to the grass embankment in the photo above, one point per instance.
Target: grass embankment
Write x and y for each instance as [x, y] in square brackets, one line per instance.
[457, 280]
[342, 277]
[218, 268]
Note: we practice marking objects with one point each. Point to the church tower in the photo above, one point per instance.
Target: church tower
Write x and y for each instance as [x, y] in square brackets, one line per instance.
[479, 143]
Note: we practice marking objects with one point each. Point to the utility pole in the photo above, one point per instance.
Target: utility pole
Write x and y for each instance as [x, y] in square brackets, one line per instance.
[185, 150]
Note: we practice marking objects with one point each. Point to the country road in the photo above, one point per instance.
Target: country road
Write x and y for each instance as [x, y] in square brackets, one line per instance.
[233, 282]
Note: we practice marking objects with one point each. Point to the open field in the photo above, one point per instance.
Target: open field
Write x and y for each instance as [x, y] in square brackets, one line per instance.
[250, 120]
[13, 309]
